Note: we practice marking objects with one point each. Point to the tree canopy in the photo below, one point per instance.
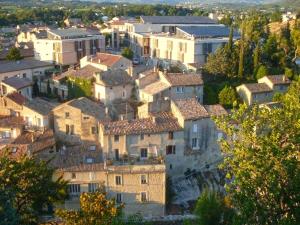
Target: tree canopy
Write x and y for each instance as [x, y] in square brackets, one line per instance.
[14, 54]
[264, 168]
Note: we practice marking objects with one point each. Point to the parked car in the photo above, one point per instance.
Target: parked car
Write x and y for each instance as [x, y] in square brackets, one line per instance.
[135, 61]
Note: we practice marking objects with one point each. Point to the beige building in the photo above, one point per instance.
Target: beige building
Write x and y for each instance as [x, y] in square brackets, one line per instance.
[105, 61]
[10, 128]
[68, 46]
[76, 121]
[264, 90]
[141, 188]
[144, 140]
[25, 68]
[155, 86]
[112, 85]
[201, 136]
[17, 84]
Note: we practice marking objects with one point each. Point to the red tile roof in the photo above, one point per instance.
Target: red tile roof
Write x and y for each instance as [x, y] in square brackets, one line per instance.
[17, 98]
[11, 121]
[191, 109]
[86, 72]
[106, 59]
[279, 79]
[258, 87]
[182, 79]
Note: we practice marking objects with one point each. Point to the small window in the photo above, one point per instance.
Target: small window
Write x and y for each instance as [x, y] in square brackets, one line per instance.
[143, 179]
[194, 143]
[116, 138]
[119, 198]
[94, 130]
[89, 160]
[118, 180]
[144, 153]
[142, 136]
[195, 128]
[67, 129]
[72, 129]
[171, 166]
[14, 149]
[93, 187]
[92, 147]
[170, 149]
[86, 117]
[74, 189]
[67, 114]
[73, 175]
[143, 196]
[24, 75]
[220, 136]
[171, 135]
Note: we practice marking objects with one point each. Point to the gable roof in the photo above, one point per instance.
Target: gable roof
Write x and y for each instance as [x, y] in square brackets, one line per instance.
[183, 79]
[215, 110]
[191, 109]
[87, 106]
[155, 87]
[17, 82]
[157, 123]
[258, 87]
[177, 20]
[113, 77]
[16, 97]
[9, 66]
[107, 59]
[40, 106]
[279, 79]
[86, 72]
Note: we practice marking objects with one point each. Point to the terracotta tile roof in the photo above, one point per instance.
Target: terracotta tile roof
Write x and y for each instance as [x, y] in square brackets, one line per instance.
[155, 87]
[87, 106]
[106, 59]
[114, 77]
[17, 98]
[179, 79]
[86, 72]
[157, 123]
[279, 79]
[11, 121]
[191, 109]
[117, 23]
[17, 82]
[215, 110]
[40, 106]
[258, 87]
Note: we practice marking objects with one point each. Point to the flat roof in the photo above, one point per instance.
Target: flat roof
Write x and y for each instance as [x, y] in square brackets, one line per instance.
[17, 82]
[177, 20]
[208, 31]
[73, 33]
[9, 66]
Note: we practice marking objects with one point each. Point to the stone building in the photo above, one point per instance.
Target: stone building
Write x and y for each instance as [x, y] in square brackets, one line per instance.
[17, 84]
[156, 86]
[76, 121]
[112, 85]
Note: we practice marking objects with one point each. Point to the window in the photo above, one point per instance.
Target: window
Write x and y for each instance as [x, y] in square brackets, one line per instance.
[93, 187]
[144, 152]
[86, 117]
[170, 149]
[220, 136]
[143, 179]
[67, 114]
[24, 75]
[179, 89]
[171, 135]
[118, 180]
[73, 175]
[143, 196]
[195, 128]
[124, 94]
[92, 147]
[171, 166]
[14, 149]
[194, 143]
[119, 198]
[72, 129]
[142, 136]
[74, 189]
[117, 156]
[116, 138]
[89, 160]
[5, 134]
[67, 129]
[94, 130]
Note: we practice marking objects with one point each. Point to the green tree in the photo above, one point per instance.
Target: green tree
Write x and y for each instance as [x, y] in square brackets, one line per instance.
[227, 97]
[49, 92]
[8, 213]
[35, 89]
[288, 73]
[242, 53]
[262, 158]
[210, 95]
[127, 53]
[261, 72]
[14, 54]
[29, 187]
[95, 208]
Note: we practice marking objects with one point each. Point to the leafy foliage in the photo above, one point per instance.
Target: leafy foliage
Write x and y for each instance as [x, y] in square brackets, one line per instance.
[127, 53]
[95, 208]
[27, 187]
[79, 87]
[14, 54]
[264, 166]
[228, 97]
[261, 72]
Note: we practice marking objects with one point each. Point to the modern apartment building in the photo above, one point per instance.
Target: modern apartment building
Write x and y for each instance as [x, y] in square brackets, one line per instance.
[68, 46]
